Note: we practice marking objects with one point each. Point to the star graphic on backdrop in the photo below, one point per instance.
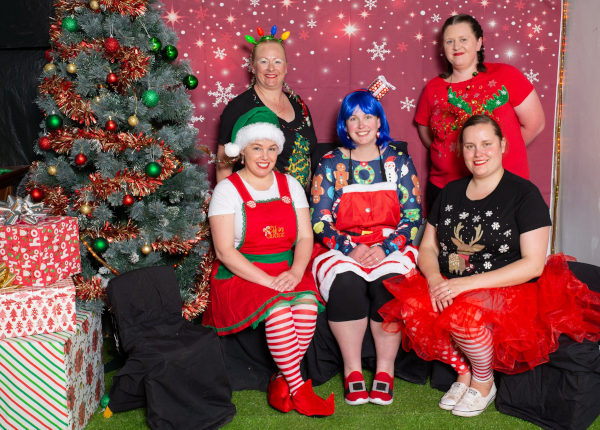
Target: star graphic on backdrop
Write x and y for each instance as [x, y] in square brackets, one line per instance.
[199, 43]
[303, 34]
[520, 5]
[311, 23]
[350, 29]
[173, 17]
[402, 47]
[230, 18]
[541, 48]
[286, 4]
[418, 36]
[201, 13]
[364, 14]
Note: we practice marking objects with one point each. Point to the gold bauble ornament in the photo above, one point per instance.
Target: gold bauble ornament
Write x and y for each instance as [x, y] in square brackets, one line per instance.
[52, 170]
[50, 68]
[85, 209]
[146, 249]
[72, 68]
[97, 99]
[94, 5]
[133, 120]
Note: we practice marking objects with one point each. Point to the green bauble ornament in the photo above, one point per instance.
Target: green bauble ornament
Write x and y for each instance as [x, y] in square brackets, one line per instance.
[54, 122]
[100, 244]
[153, 169]
[70, 24]
[190, 82]
[155, 45]
[150, 98]
[104, 400]
[170, 52]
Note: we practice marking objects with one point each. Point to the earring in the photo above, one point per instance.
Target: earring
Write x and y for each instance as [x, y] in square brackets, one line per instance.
[378, 134]
[242, 160]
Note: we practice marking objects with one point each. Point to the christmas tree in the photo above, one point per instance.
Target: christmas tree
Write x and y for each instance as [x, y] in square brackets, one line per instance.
[116, 145]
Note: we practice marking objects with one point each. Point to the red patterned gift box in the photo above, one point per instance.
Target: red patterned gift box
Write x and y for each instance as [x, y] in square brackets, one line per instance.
[31, 310]
[43, 253]
[52, 381]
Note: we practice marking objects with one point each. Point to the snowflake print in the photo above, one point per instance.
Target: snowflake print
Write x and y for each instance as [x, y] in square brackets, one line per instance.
[407, 104]
[195, 119]
[487, 265]
[436, 17]
[532, 76]
[503, 248]
[222, 95]
[487, 256]
[489, 213]
[448, 208]
[495, 226]
[507, 233]
[220, 53]
[492, 83]
[537, 28]
[254, 3]
[378, 51]
[476, 218]
[443, 246]
[371, 4]
[463, 215]
[447, 221]
[311, 23]
[246, 63]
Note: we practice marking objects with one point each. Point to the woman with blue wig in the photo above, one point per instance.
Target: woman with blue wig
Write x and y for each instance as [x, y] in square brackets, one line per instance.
[366, 210]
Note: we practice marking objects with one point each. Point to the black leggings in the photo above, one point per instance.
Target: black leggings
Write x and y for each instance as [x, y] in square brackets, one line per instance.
[353, 298]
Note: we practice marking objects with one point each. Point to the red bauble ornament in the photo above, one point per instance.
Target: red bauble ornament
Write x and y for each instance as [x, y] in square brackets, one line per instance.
[37, 194]
[110, 125]
[80, 159]
[48, 55]
[44, 144]
[111, 78]
[111, 45]
[128, 200]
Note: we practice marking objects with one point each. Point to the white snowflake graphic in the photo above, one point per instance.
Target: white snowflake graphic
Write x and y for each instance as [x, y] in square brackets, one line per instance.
[503, 248]
[246, 63]
[436, 17]
[463, 215]
[371, 4]
[507, 233]
[223, 95]
[311, 23]
[254, 3]
[448, 208]
[378, 51]
[220, 53]
[443, 245]
[476, 218]
[197, 118]
[407, 104]
[487, 256]
[537, 28]
[487, 265]
[532, 76]
[489, 213]
[447, 221]
[495, 226]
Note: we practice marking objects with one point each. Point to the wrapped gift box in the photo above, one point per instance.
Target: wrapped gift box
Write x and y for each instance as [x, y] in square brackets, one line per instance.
[42, 253]
[32, 310]
[52, 381]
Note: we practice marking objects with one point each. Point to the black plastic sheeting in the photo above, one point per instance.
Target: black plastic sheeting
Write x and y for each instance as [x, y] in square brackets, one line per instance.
[24, 37]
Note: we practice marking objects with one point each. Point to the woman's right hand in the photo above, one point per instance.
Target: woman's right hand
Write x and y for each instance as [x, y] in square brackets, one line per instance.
[437, 286]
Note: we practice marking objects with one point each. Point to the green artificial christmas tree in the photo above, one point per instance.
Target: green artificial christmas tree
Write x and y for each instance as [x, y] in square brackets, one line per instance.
[117, 143]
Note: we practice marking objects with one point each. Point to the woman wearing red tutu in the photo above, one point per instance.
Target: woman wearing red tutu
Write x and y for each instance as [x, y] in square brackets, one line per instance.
[261, 231]
[476, 304]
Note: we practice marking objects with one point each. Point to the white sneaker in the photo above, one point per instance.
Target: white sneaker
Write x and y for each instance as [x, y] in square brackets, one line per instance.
[473, 403]
[452, 396]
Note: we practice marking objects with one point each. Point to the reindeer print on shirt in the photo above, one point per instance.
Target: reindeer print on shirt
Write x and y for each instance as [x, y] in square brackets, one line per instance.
[459, 262]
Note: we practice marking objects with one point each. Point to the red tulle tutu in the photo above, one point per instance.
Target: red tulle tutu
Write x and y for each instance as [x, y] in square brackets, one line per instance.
[525, 320]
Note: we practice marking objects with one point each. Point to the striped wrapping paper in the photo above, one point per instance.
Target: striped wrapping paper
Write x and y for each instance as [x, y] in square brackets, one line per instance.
[52, 381]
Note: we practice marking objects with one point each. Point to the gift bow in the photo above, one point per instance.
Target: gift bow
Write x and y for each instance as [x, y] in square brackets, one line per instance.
[6, 278]
[21, 209]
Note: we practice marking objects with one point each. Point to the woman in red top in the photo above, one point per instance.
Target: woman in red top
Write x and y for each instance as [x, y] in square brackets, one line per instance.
[468, 87]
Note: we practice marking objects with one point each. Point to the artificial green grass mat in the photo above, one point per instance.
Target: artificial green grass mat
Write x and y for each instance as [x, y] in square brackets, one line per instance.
[414, 407]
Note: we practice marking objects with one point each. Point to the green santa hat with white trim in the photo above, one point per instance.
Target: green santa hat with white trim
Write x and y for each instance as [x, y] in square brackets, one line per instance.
[256, 124]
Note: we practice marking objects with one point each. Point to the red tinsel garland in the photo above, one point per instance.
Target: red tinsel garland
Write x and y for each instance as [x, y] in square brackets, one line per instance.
[192, 309]
[133, 8]
[89, 289]
[68, 101]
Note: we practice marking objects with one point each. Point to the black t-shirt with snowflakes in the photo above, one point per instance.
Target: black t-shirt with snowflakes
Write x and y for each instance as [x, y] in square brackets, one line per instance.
[477, 236]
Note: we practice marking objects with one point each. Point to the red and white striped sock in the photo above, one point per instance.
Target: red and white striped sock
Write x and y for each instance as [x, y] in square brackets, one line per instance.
[305, 321]
[479, 350]
[283, 345]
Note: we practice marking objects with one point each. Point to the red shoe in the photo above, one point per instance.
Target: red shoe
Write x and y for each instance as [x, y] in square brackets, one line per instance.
[278, 393]
[307, 403]
[382, 391]
[355, 390]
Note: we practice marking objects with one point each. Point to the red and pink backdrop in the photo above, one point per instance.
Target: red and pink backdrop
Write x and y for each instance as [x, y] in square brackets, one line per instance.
[337, 46]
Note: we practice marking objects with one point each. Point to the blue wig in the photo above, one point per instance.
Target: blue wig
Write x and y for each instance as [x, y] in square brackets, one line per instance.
[368, 104]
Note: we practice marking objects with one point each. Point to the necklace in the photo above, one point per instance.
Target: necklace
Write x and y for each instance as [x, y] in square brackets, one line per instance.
[276, 106]
[475, 73]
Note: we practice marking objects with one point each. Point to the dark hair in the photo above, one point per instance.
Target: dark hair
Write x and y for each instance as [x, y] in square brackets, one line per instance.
[480, 119]
[368, 104]
[476, 28]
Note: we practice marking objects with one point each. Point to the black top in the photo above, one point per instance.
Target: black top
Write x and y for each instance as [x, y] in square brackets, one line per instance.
[300, 137]
[478, 236]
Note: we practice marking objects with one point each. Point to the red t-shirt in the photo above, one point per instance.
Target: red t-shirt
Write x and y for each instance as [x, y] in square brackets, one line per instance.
[445, 120]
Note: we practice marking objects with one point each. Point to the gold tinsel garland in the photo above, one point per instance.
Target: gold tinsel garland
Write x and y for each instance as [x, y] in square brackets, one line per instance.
[195, 307]
[132, 8]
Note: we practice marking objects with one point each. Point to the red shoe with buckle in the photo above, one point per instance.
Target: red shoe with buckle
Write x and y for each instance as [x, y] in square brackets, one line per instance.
[307, 403]
[278, 393]
[355, 390]
[382, 391]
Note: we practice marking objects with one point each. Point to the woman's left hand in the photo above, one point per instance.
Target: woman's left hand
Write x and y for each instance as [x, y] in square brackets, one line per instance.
[372, 257]
[286, 281]
[445, 292]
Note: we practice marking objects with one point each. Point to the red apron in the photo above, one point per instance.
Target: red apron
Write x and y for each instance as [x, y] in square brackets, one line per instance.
[367, 213]
[270, 231]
